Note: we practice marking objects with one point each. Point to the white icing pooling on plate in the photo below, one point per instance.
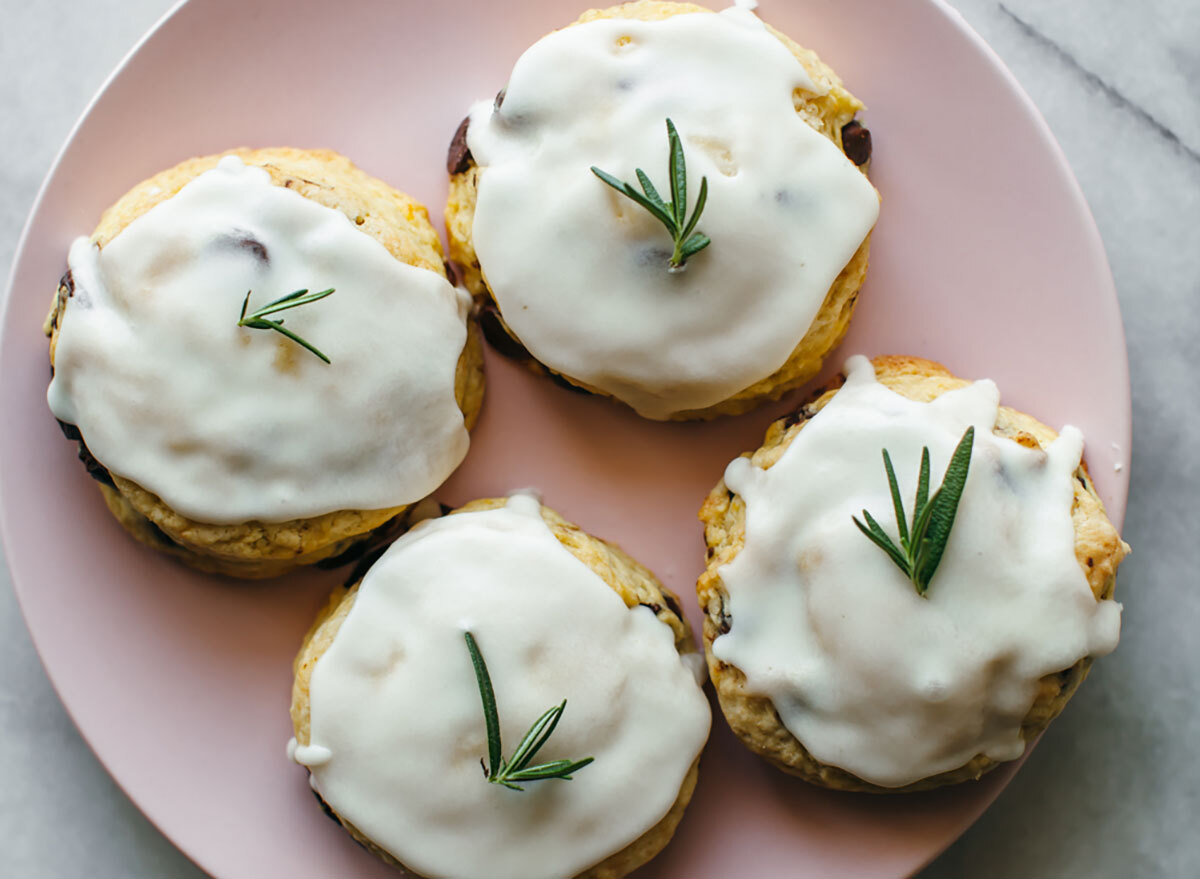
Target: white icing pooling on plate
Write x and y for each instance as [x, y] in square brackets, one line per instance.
[228, 423]
[395, 701]
[580, 272]
[868, 675]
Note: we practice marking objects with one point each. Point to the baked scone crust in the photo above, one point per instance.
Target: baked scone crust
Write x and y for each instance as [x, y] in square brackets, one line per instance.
[266, 549]
[630, 580]
[827, 113]
[1098, 550]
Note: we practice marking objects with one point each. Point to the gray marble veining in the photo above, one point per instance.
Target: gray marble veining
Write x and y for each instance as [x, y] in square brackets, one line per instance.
[1113, 790]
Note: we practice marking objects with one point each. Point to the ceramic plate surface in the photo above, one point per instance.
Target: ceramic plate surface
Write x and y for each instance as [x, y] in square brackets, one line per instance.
[985, 258]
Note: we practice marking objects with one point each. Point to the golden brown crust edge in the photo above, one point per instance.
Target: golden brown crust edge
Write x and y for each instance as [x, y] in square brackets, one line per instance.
[629, 579]
[257, 549]
[827, 112]
[1098, 549]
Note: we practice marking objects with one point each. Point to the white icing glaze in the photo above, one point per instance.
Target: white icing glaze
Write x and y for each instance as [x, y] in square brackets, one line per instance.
[226, 423]
[579, 271]
[394, 699]
[867, 674]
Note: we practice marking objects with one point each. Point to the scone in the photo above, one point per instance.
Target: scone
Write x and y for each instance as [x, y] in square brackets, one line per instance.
[390, 705]
[262, 360]
[619, 291]
[857, 670]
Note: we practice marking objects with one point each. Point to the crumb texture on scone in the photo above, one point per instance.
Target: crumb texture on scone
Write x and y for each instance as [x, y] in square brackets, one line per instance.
[634, 584]
[1098, 550]
[255, 548]
[827, 107]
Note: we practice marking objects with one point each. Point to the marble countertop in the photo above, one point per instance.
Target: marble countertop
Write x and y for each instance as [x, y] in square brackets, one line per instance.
[1114, 789]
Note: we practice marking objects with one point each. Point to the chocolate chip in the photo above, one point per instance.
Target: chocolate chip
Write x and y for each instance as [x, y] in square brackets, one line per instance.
[856, 142]
[799, 416]
[458, 157]
[95, 469]
[498, 337]
[70, 431]
[68, 282]
[724, 622]
[566, 385]
[655, 608]
[325, 808]
[162, 536]
[377, 538]
[451, 272]
[445, 508]
[248, 243]
[500, 98]
[672, 604]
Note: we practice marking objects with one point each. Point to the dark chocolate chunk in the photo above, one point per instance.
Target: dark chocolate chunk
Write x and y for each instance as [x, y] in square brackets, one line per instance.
[856, 142]
[654, 607]
[458, 157]
[68, 283]
[325, 808]
[566, 385]
[672, 604]
[377, 538]
[498, 337]
[724, 621]
[70, 431]
[251, 245]
[95, 469]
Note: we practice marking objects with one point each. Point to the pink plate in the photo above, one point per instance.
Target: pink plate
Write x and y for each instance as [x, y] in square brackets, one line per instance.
[985, 258]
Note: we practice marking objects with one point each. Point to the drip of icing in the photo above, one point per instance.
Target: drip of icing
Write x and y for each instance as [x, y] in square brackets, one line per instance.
[395, 702]
[867, 674]
[307, 755]
[591, 297]
[226, 423]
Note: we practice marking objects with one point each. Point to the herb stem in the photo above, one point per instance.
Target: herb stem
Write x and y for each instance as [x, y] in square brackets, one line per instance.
[517, 768]
[673, 213]
[921, 547]
[258, 321]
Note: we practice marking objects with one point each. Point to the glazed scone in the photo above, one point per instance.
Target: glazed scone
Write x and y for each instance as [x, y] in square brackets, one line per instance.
[387, 714]
[827, 661]
[232, 447]
[572, 276]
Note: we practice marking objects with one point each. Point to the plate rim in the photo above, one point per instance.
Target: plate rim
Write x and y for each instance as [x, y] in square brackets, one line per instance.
[1095, 246]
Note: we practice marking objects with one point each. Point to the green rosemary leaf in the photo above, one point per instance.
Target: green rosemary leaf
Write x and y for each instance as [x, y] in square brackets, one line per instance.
[257, 320]
[933, 518]
[879, 537]
[292, 300]
[672, 214]
[536, 737]
[277, 326]
[701, 201]
[693, 245]
[556, 769]
[922, 484]
[491, 718]
[944, 505]
[897, 504]
[651, 192]
[517, 768]
[677, 169]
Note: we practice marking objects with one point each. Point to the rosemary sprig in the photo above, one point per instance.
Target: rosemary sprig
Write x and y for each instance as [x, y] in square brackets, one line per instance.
[258, 321]
[921, 548]
[516, 768]
[671, 213]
